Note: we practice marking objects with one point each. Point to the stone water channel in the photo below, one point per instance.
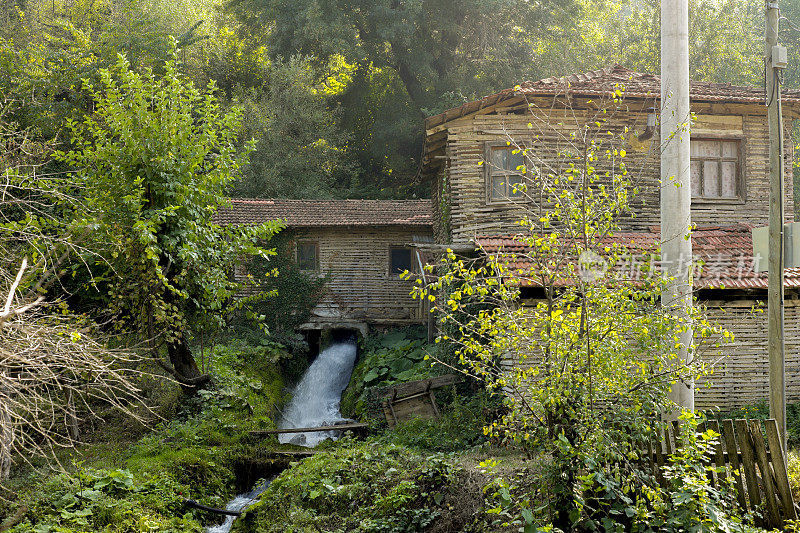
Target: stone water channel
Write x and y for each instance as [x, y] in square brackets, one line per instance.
[315, 403]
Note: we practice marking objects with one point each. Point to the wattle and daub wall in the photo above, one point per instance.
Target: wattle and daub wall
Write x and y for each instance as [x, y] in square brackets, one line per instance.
[464, 210]
[361, 287]
[545, 127]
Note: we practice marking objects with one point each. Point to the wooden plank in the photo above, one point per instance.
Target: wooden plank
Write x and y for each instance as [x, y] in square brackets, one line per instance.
[779, 468]
[719, 454]
[676, 432]
[355, 426]
[388, 413]
[651, 461]
[293, 453]
[667, 439]
[748, 462]
[418, 407]
[733, 459]
[424, 385]
[770, 495]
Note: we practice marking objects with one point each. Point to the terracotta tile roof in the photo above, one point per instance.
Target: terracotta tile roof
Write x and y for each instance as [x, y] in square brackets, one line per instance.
[312, 213]
[604, 81]
[727, 253]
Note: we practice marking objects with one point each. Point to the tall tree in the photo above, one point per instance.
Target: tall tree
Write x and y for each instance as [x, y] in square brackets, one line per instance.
[156, 159]
[412, 59]
[298, 150]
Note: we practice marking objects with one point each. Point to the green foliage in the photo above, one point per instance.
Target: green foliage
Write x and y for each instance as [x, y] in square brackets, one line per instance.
[141, 487]
[111, 500]
[458, 428]
[411, 59]
[387, 359]
[355, 487]
[299, 150]
[725, 40]
[690, 502]
[622, 495]
[584, 365]
[285, 300]
[155, 161]
[794, 471]
[248, 393]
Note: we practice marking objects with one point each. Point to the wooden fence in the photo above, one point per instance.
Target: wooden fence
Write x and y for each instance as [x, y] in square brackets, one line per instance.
[752, 457]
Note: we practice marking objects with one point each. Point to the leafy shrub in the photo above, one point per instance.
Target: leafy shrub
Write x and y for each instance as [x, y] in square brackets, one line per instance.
[356, 487]
[286, 299]
[110, 500]
[794, 472]
[459, 427]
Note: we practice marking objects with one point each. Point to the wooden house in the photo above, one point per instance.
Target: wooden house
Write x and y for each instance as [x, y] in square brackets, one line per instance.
[360, 245]
[471, 162]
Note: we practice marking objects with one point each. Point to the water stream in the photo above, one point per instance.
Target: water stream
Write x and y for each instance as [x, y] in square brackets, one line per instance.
[315, 403]
[316, 398]
[239, 503]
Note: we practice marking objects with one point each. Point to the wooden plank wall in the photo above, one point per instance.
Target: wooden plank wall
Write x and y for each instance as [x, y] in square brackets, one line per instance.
[741, 368]
[361, 287]
[549, 129]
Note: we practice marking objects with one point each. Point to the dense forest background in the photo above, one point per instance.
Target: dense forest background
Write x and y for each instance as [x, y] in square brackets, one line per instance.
[335, 92]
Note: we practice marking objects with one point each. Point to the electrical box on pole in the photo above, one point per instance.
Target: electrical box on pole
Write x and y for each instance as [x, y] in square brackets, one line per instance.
[791, 247]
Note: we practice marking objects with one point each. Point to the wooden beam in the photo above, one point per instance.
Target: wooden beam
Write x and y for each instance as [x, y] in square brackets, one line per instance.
[404, 390]
[355, 426]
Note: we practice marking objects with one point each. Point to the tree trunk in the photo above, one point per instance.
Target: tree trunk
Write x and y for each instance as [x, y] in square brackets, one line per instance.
[185, 367]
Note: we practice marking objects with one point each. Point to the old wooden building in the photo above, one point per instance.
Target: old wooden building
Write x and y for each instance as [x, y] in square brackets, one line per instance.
[361, 246]
[472, 158]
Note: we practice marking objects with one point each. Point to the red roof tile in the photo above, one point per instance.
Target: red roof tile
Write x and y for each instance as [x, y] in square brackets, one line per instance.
[727, 253]
[603, 82]
[315, 213]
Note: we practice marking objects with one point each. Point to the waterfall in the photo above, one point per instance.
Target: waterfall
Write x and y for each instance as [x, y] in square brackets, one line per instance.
[316, 398]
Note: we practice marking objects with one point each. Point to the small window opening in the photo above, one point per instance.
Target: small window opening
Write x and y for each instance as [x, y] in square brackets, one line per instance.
[399, 260]
[308, 256]
[506, 171]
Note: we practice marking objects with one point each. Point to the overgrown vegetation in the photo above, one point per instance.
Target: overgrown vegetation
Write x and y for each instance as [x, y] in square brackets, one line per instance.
[283, 298]
[367, 487]
[395, 357]
[156, 158]
[140, 486]
[585, 368]
[114, 162]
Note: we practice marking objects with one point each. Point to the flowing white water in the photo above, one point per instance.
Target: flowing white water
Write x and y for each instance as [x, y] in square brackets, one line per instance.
[316, 398]
[239, 503]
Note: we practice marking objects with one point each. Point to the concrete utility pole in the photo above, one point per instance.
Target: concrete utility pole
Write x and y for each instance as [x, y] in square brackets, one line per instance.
[676, 189]
[777, 381]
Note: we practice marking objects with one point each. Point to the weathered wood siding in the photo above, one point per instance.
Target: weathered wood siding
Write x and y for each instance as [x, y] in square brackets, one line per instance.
[471, 214]
[361, 287]
[741, 368]
[740, 373]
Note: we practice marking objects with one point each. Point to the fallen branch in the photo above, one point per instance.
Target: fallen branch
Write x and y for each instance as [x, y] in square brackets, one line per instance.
[196, 505]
